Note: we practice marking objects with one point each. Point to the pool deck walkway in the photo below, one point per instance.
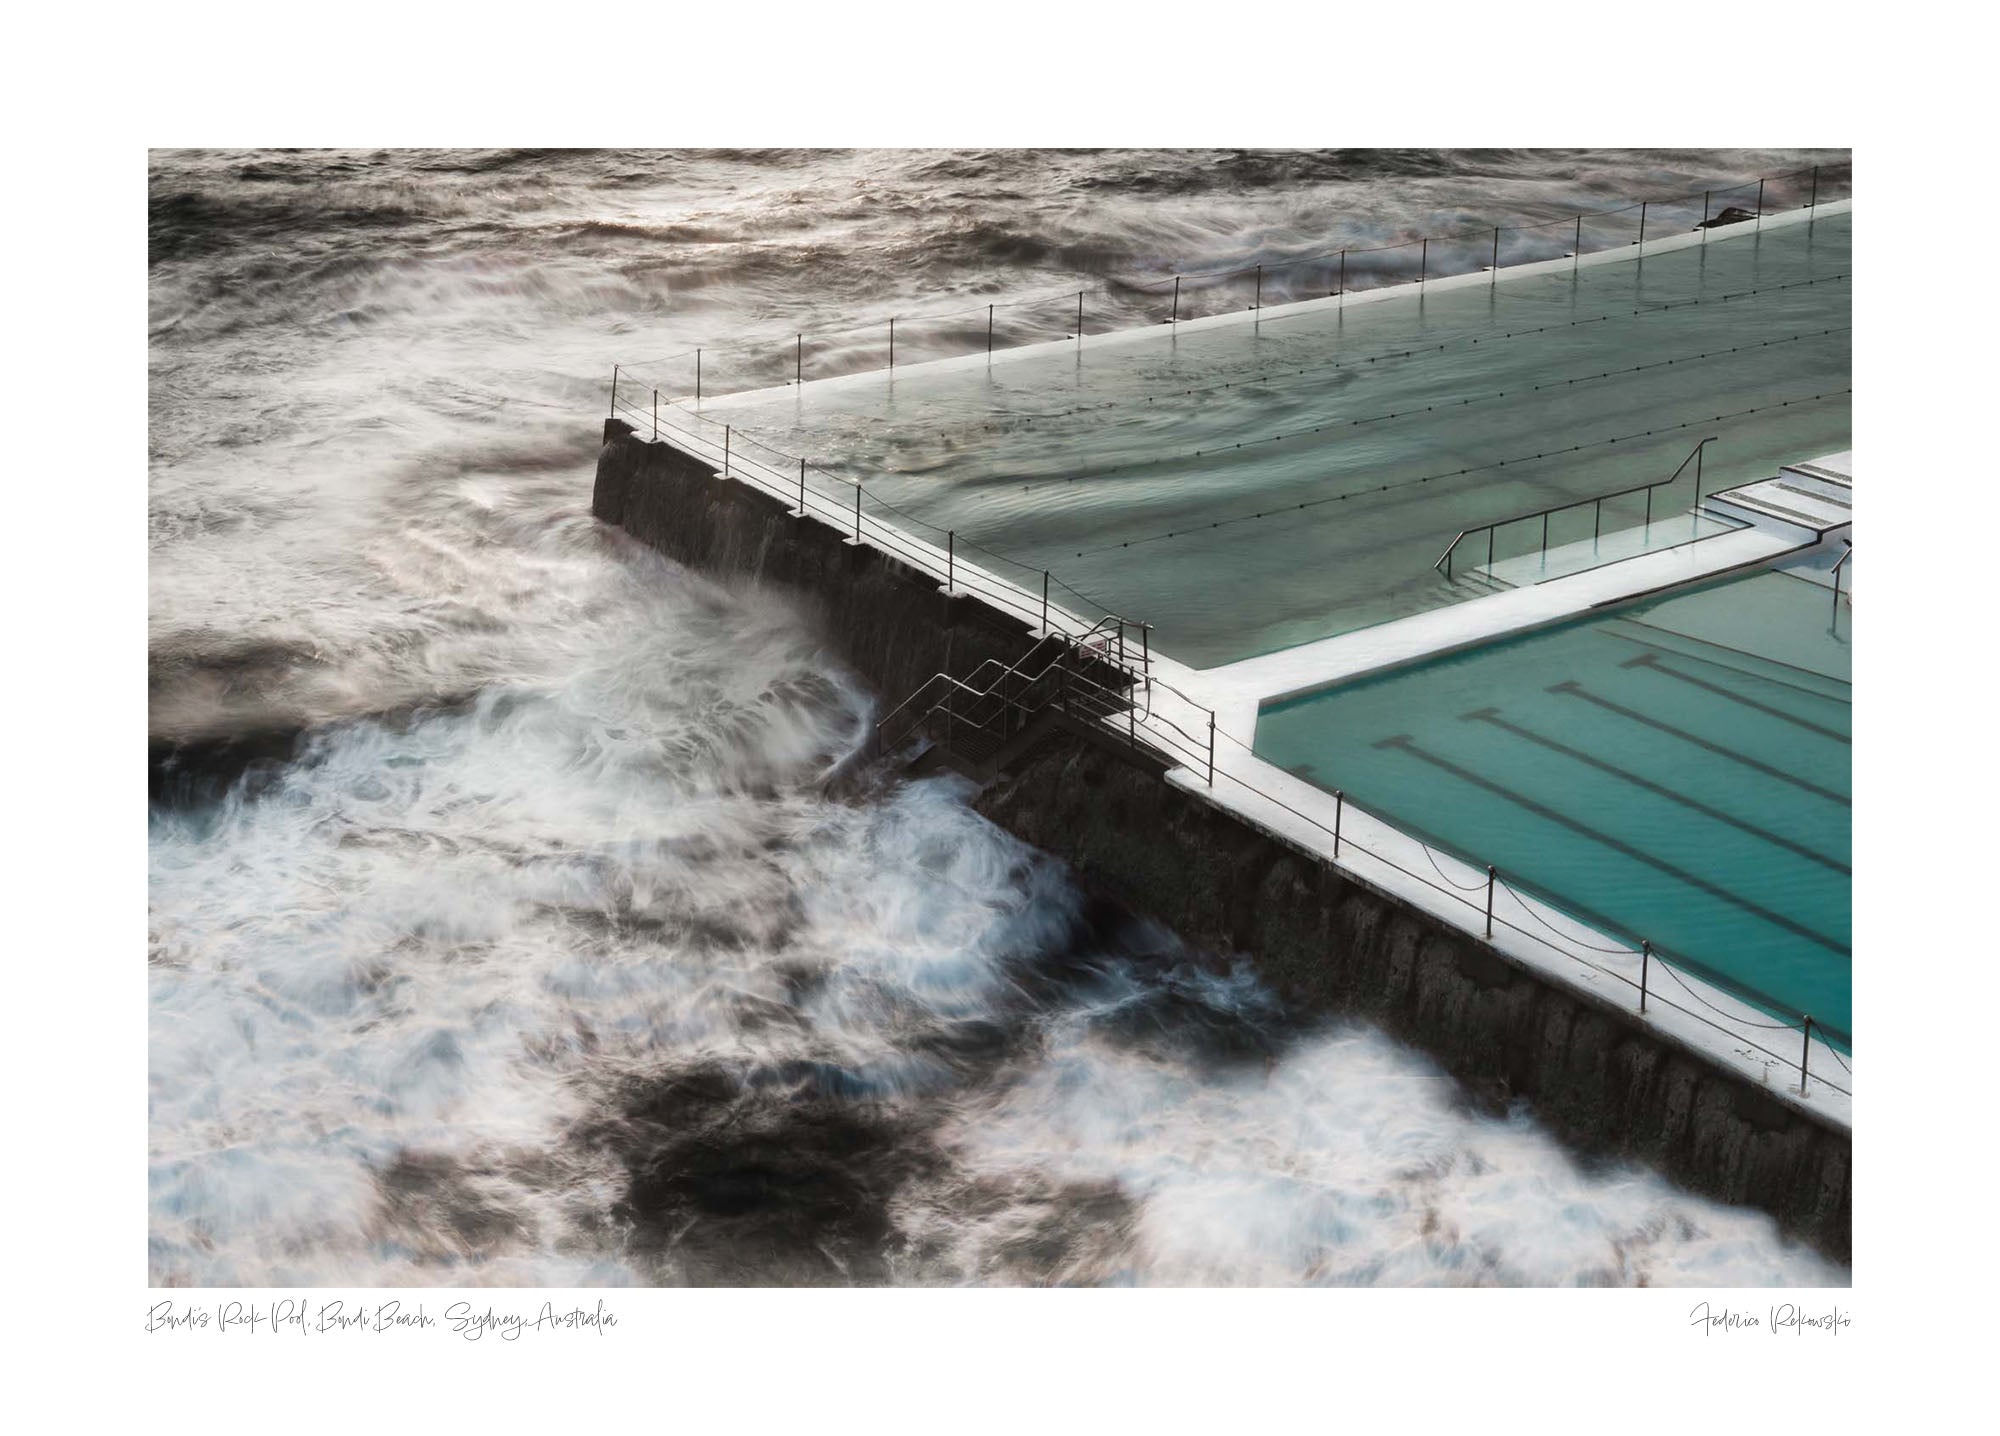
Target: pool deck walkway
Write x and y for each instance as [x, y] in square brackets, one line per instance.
[1524, 928]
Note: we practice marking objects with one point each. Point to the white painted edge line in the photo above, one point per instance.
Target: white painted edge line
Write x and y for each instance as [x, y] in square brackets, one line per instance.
[1260, 793]
[1276, 313]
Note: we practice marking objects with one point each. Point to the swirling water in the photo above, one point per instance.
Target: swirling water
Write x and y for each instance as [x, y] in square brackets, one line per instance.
[561, 934]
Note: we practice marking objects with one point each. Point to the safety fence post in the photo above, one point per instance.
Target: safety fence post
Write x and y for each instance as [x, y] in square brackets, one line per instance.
[1211, 750]
[725, 451]
[892, 343]
[1645, 969]
[989, 331]
[1175, 316]
[697, 376]
[1045, 600]
[1339, 807]
[950, 558]
[857, 513]
[1805, 1052]
[1491, 878]
[1424, 264]
[1257, 299]
[1642, 228]
[799, 361]
[614, 391]
[1496, 254]
[802, 488]
[656, 416]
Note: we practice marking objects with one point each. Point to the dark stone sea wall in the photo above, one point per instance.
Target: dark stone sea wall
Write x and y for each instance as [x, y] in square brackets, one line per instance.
[890, 620]
[1323, 940]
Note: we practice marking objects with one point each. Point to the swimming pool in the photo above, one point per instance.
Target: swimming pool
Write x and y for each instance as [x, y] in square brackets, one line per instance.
[1260, 485]
[1677, 771]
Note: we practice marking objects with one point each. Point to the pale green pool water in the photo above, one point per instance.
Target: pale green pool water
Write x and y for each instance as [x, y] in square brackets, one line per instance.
[1082, 461]
[1677, 771]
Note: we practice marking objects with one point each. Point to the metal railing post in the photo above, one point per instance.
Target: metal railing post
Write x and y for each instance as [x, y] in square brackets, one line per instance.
[1496, 254]
[1645, 970]
[892, 343]
[1146, 648]
[1079, 319]
[1705, 196]
[857, 513]
[1545, 538]
[950, 559]
[656, 416]
[697, 376]
[1175, 316]
[1813, 203]
[1760, 203]
[1805, 1054]
[1697, 473]
[989, 331]
[1045, 600]
[1596, 525]
[1339, 807]
[725, 451]
[1343, 279]
[1257, 297]
[1649, 509]
[802, 488]
[1491, 878]
[799, 361]
[1489, 547]
[1211, 757]
[614, 391]
[1424, 264]
[1576, 253]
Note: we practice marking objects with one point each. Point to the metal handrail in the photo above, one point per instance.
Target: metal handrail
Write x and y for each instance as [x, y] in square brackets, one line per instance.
[1694, 457]
[1062, 640]
[1839, 564]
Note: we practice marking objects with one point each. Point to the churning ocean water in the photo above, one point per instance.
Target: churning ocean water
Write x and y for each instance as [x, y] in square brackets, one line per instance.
[523, 908]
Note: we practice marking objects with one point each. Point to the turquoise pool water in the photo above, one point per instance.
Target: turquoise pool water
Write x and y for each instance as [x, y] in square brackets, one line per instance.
[1083, 460]
[1677, 771]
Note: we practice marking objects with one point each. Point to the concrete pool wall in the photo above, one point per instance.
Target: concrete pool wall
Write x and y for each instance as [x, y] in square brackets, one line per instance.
[1328, 936]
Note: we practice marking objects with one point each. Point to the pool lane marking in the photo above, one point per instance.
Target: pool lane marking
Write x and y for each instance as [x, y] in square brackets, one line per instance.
[1611, 627]
[1652, 661]
[1571, 688]
[1492, 716]
[1403, 742]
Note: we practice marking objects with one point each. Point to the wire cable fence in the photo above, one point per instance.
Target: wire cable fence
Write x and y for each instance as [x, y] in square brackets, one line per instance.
[1146, 710]
[1140, 716]
[1116, 302]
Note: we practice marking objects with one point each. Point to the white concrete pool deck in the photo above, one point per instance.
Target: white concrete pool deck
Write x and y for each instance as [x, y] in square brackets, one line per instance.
[1407, 291]
[1695, 1013]
[1238, 690]
[1176, 713]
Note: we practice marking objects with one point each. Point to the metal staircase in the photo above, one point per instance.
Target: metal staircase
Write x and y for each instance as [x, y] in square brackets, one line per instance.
[972, 724]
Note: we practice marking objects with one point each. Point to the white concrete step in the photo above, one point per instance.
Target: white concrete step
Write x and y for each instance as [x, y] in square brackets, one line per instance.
[1830, 476]
[1775, 501]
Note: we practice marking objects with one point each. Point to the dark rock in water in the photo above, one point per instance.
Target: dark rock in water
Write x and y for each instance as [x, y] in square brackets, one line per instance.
[197, 771]
[1732, 215]
[783, 1181]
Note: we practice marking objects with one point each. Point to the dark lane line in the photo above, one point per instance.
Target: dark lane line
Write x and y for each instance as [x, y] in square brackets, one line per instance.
[1574, 689]
[1492, 715]
[1611, 630]
[1521, 800]
[1652, 661]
